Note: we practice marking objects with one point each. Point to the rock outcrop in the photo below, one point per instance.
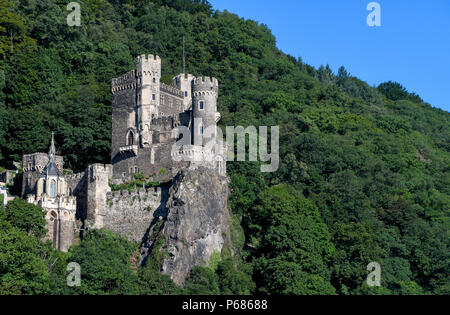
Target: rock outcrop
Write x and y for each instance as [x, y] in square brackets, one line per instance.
[197, 222]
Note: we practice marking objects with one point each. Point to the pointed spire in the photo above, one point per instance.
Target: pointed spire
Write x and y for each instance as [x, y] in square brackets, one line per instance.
[52, 151]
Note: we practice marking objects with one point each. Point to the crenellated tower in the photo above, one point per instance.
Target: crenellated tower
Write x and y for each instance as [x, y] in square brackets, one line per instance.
[204, 110]
[148, 76]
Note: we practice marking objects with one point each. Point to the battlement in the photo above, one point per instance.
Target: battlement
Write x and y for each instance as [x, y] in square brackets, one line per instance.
[148, 58]
[171, 90]
[182, 77]
[142, 193]
[206, 81]
[205, 86]
[125, 82]
[146, 64]
[101, 167]
[100, 170]
[27, 156]
[194, 153]
[59, 202]
[37, 161]
[74, 177]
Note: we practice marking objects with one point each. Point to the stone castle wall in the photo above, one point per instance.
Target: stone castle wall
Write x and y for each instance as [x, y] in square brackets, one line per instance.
[77, 186]
[97, 178]
[131, 214]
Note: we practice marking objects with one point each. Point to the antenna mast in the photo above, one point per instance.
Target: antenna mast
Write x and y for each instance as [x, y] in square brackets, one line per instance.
[184, 58]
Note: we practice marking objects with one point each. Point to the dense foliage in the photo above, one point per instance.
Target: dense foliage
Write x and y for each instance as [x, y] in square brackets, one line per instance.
[364, 173]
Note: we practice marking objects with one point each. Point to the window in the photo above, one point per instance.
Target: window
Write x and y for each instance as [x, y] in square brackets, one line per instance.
[153, 96]
[130, 138]
[219, 167]
[202, 105]
[53, 188]
[201, 129]
[185, 94]
[154, 80]
[53, 216]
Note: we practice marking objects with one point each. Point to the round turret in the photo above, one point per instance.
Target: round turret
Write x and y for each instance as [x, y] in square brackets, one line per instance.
[204, 108]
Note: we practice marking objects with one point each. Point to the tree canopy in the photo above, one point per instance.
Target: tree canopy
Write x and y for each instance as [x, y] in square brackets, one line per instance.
[363, 177]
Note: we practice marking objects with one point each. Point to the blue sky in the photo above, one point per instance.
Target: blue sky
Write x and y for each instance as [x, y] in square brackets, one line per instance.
[412, 45]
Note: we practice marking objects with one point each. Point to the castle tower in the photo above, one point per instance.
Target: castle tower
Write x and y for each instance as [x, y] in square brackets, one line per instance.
[204, 109]
[184, 84]
[148, 76]
[97, 189]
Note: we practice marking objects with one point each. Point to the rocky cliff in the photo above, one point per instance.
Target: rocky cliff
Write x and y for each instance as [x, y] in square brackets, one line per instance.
[197, 223]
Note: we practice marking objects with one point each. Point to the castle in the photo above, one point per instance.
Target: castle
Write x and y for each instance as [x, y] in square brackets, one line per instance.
[157, 131]
[145, 112]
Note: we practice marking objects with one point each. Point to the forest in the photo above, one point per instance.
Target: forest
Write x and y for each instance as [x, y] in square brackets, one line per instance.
[363, 176]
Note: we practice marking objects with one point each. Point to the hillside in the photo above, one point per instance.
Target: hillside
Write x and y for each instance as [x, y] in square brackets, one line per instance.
[363, 177]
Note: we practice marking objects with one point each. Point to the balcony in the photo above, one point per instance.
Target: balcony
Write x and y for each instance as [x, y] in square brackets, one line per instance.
[129, 149]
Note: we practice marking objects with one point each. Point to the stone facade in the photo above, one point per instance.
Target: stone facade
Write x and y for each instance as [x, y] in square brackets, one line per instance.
[52, 194]
[7, 177]
[131, 213]
[146, 111]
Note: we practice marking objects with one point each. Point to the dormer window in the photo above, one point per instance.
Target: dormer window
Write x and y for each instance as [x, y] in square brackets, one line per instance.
[201, 105]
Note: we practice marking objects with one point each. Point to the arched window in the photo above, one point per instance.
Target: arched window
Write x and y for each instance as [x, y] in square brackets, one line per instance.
[130, 138]
[53, 216]
[53, 188]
